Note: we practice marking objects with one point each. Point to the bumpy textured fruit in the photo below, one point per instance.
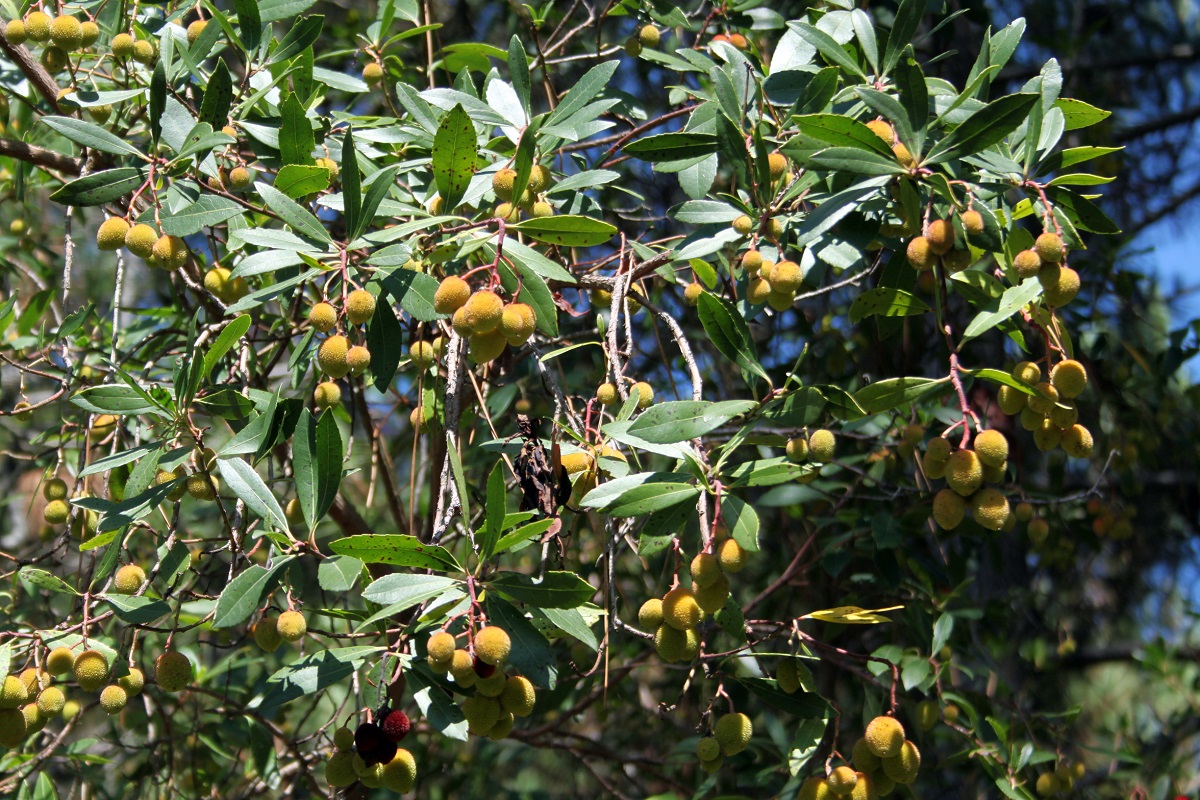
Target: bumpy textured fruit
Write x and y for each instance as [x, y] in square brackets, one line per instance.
[733, 733]
[330, 166]
[372, 74]
[989, 507]
[483, 311]
[1077, 442]
[777, 163]
[360, 306]
[90, 32]
[60, 660]
[1011, 400]
[339, 770]
[451, 295]
[239, 178]
[50, 701]
[518, 697]
[291, 626]
[711, 598]
[940, 233]
[964, 472]
[172, 671]
[992, 447]
[937, 456]
[37, 26]
[143, 52]
[56, 512]
[15, 32]
[645, 394]
[122, 46]
[972, 222]
[440, 647]
[481, 713]
[66, 32]
[607, 394]
[733, 556]
[862, 757]
[649, 36]
[358, 358]
[708, 749]
[128, 579]
[650, 615]
[90, 670]
[201, 486]
[842, 780]
[1060, 285]
[743, 225]
[112, 233]
[518, 322]
[1027, 264]
[758, 291]
[492, 645]
[395, 725]
[140, 240]
[920, 253]
[132, 682]
[815, 789]
[502, 183]
[785, 277]
[54, 489]
[1049, 247]
[884, 736]
[705, 569]
[331, 356]
[903, 155]
[821, 446]
[484, 347]
[796, 449]
[883, 130]
[752, 260]
[195, 29]
[680, 609]
[1069, 378]
[113, 699]
[1045, 399]
[691, 294]
[327, 395]
[13, 693]
[1027, 372]
[774, 228]
[343, 739]
[927, 716]
[322, 316]
[949, 508]
[400, 774]
[903, 767]
[462, 668]
[12, 727]
[541, 209]
[540, 178]
[1064, 414]
[671, 644]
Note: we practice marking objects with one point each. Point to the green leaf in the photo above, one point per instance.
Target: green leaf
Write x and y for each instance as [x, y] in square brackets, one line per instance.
[806, 705]
[642, 498]
[567, 230]
[855, 161]
[986, 127]
[683, 420]
[443, 715]
[798, 409]
[244, 482]
[339, 573]
[301, 34]
[317, 454]
[494, 519]
[100, 187]
[531, 653]
[1078, 114]
[296, 141]
[209, 210]
[244, 593]
[742, 521]
[904, 27]
[518, 70]
[886, 302]
[295, 215]
[91, 136]
[672, 146]
[119, 459]
[137, 610]
[1083, 213]
[836, 130]
[115, 399]
[729, 333]
[381, 184]
[158, 98]
[1013, 300]
[890, 393]
[298, 180]
[308, 675]
[555, 590]
[396, 549]
[250, 23]
[583, 92]
[351, 187]
[454, 156]
[403, 588]
[218, 96]
[1004, 378]
[828, 47]
[225, 341]
[45, 580]
[571, 621]
[414, 291]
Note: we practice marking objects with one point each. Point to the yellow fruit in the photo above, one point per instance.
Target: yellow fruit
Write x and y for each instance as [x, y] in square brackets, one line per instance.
[937, 457]
[758, 291]
[1060, 285]
[711, 598]
[216, 281]
[113, 699]
[733, 733]
[239, 179]
[128, 579]
[327, 395]
[1027, 264]
[645, 394]
[964, 472]
[132, 682]
[607, 394]
[903, 767]
[705, 569]
[1064, 414]
[1049, 247]
[492, 645]
[777, 163]
[743, 225]
[903, 155]
[112, 232]
[169, 252]
[452, 294]
[1069, 378]
[322, 316]
[862, 757]
[649, 36]
[37, 26]
[633, 47]
[291, 626]
[60, 660]
[140, 240]
[883, 130]
[674, 645]
[821, 445]
[360, 306]
[940, 234]
[12, 727]
[518, 697]
[691, 294]
[842, 780]
[372, 74]
[774, 229]
[949, 508]
[920, 253]
[680, 609]
[122, 46]
[66, 33]
[483, 311]
[1027, 372]
[15, 32]
[54, 489]
[815, 789]
[462, 668]
[90, 32]
[201, 486]
[13, 692]
[972, 222]
[56, 512]
[440, 647]
[650, 615]
[708, 749]
[502, 183]
[786, 277]
[796, 449]
[752, 260]
[1044, 401]
[992, 447]
[331, 356]
[884, 736]
[541, 209]
[143, 52]
[194, 30]
[1011, 400]
[90, 670]
[339, 770]
[989, 507]
[266, 634]
[1077, 442]
[492, 685]
[50, 701]
[172, 671]
[484, 347]
[732, 556]
[517, 322]
[1047, 785]
[481, 713]
[1047, 436]
[330, 166]
[358, 358]
[400, 774]
[540, 178]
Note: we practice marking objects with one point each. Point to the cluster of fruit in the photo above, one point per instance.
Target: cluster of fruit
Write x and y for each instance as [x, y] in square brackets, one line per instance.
[1061, 780]
[200, 484]
[487, 322]
[730, 736]
[880, 760]
[496, 698]
[965, 471]
[646, 36]
[1050, 411]
[674, 618]
[939, 242]
[163, 251]
[60, 35]
[369, 755]
[531, 201]
[336, 356]
[270, 632]
[819, 447]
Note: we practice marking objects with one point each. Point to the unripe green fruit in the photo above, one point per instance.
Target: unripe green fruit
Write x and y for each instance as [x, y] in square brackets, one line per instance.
[507, 212]
[733, 733]
[113, 699]
[821, 446]
[705, 569]
[940, 233]
[920, 253]
[649, 36]
[15, 32]
[170, 252]
[122, 46]
[964, 472]
[992, 447]
[172, 671]
[400, 774]
[1027, 372]
[492, 645]
[13, 692]
[743, 225]
[842, 780]
[949, 508]
[711, 598]
[1047, 785]
[752, 260]
[796, 449]
[343, 739]
[519, 696]
[201, 486]
[989, 507]
[972, 222]
[50, 701]
[708, 749]
[140, 240]
[372, 74]
[884, 736]
[1064, 414]
[90, 32]
[633, 46]
[1023, 512]
[12, 727]
[1027, 264]
[128, 579]
[100, 113]
[1077, 442]
[54, 489]
[440, 647]
[1047, 436]
[957, 260]
[291, 626]
[331, 356]
[56, 512]
[1011, 400]
[339, 769]
[60, 660]
[863, 759]
[774, 229]
[90, 670]
[540, 178]
[360, 306]
[1069, 378]
[132, 682]
[327, 395]
[144, 52]
[650, 615]
[645, 394]
[66, 33]
[903, 767]
[330, 166]
[481, 713]
[112, 233]
[1049, 247]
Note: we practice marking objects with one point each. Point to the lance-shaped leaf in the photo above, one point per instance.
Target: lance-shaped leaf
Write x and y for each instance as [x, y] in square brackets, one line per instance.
[454, 155]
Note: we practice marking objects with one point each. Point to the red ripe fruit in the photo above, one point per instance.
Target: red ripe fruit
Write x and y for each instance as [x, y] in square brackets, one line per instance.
[483, 669]
[395, 725]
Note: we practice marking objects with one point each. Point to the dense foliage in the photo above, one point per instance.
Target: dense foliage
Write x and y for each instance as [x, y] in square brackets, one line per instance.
[633, 399]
